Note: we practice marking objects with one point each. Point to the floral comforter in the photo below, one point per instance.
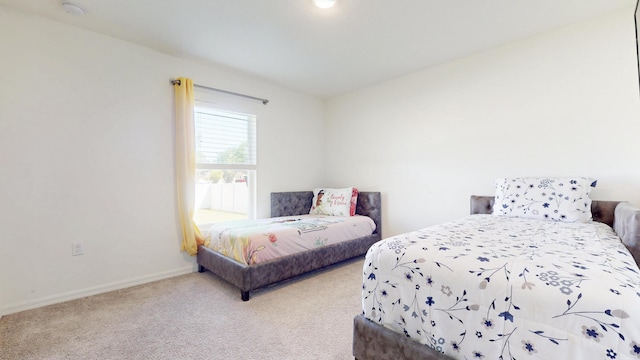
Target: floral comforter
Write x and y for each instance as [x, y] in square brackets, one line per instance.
[255, 241]
[492, 287]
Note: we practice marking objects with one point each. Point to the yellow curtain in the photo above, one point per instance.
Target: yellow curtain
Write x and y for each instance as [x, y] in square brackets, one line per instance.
[186, 164]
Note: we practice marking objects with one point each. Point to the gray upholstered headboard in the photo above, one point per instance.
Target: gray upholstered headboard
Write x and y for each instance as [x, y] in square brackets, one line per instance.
[623, 217]
[299, 202]
[601, 211]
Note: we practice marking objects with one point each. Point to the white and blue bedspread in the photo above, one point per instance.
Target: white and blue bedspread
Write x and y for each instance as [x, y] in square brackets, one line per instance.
[492, 287]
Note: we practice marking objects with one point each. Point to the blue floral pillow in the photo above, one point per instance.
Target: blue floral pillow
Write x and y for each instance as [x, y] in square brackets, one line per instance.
[559, 199]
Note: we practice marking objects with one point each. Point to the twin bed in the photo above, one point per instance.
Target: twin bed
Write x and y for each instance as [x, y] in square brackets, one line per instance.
[507, 287]
[288, 209]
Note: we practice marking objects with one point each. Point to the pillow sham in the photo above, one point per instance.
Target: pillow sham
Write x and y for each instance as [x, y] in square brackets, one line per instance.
[334, 202]
[559, 199]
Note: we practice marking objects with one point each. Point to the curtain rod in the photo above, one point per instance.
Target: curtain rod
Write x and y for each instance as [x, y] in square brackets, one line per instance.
[264, 101]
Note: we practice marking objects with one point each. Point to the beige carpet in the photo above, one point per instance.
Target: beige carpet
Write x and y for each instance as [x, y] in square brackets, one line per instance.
[196, 316]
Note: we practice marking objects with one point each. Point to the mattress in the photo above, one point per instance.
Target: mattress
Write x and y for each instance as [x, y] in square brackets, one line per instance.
[255, 241]
[490, 287]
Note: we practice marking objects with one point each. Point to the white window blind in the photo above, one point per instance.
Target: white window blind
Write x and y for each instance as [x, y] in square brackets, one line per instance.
[224, 139]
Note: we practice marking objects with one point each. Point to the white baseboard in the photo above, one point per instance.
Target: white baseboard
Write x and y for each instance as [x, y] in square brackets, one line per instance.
[94, 290]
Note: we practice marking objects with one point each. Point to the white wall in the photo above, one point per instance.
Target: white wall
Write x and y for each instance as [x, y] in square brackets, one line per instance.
[87, 154]
[86, 143]
[562, 103]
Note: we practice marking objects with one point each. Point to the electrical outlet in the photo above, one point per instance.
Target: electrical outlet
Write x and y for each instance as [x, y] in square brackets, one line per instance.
[76, 248]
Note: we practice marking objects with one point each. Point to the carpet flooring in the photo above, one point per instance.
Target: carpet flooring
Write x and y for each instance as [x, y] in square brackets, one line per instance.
[196, 316]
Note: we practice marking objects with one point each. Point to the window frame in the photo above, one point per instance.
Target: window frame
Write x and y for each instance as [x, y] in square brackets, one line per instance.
[215, 102]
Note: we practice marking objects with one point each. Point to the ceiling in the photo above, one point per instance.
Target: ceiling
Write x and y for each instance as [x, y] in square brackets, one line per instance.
[327, 52]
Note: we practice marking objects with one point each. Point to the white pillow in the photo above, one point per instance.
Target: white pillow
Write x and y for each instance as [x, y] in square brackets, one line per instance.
[560, 199]
[334, 202]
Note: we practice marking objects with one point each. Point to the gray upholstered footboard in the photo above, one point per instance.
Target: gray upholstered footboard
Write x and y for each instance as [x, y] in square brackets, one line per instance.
[372, 341]
[251, 277]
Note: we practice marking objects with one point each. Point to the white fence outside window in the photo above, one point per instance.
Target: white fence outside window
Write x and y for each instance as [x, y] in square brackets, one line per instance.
[229, 197]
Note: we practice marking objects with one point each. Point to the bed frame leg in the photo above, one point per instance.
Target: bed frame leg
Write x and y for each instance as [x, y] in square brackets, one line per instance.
[201, 268]
[244, 295]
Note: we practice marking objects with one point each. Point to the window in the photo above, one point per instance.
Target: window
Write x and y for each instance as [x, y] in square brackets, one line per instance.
[225, 164]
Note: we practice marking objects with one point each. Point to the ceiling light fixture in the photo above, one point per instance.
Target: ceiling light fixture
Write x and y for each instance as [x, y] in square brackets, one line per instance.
[72, 9]
[324, 4]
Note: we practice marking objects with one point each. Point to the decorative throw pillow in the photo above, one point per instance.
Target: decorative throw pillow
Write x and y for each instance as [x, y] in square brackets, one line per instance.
[559, 199]
[335, 202]
[354, 201]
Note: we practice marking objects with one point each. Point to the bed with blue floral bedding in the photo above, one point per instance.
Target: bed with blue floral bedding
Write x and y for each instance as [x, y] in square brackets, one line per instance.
[497, 287]
[538, 271]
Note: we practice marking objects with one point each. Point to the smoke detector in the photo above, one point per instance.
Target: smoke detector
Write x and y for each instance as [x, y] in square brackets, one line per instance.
[72, 9]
